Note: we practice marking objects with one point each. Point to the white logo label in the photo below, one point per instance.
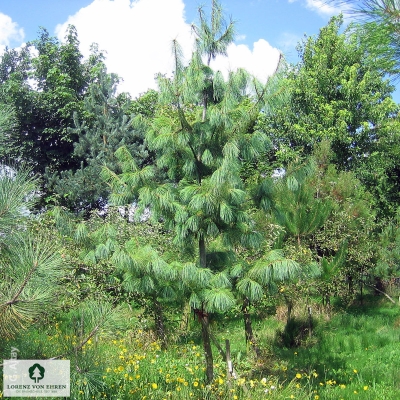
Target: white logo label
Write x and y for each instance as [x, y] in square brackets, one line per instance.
[36, 378]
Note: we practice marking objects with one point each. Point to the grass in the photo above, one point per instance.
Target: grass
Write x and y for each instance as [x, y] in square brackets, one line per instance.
[353, 355]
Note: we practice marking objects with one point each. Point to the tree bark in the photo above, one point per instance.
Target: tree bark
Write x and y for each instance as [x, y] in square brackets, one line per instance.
[207, 348]
[202, 252]
[248, 328]
[159, 322]
[205, 332]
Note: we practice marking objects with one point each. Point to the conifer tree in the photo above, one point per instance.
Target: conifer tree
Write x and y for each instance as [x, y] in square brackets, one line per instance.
[30, 266]
[101, 128]
[254, 279]
[147, 274]
[200, 138]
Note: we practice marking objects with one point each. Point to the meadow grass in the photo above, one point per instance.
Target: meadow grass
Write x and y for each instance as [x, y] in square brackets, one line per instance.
[355, 354]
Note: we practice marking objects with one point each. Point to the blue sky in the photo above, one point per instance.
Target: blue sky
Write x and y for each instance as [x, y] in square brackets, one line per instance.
[136, 34]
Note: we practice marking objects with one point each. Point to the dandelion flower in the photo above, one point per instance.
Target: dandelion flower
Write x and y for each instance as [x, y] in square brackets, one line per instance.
[365, 387]
[298, 376]
[154, 385]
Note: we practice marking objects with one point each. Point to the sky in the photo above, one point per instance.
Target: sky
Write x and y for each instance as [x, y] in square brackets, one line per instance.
[136, 35]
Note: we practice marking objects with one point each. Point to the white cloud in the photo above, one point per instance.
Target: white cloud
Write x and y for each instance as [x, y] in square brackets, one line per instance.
[321, 7]
[137, 36]
[9, 31]
[261, 61]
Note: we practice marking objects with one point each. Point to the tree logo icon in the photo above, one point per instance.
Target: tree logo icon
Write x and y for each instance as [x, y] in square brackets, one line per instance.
[36, 372]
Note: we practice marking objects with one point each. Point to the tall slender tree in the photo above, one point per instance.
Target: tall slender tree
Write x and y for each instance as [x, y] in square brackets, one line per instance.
[200, 143]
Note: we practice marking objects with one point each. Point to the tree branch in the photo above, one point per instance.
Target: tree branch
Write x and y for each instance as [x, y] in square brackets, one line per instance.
[24, 283]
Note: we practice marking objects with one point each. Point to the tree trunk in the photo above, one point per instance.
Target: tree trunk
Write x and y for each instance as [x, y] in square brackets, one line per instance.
[207, 347]
[202, 253]
[185, 317]
[205, 332]
[159, 322]
[248, 329]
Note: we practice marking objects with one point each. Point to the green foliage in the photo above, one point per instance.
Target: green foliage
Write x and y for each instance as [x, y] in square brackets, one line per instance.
[274, 268]
[388, 262]
[44, 83]
[43, 112]
[200, 135]
[8, 124]
[379, 26]
[101, 128]
[213, 38]
[337, 93]
[30, 270]
[30, 266]
[294, 200]
[145, 272]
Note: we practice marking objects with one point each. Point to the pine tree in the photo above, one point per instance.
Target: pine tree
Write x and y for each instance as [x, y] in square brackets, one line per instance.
[147, 274]
[294, 201]
[200, 137]
[253, 280]
[101, 128]
[378, 23]
[30, 266]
